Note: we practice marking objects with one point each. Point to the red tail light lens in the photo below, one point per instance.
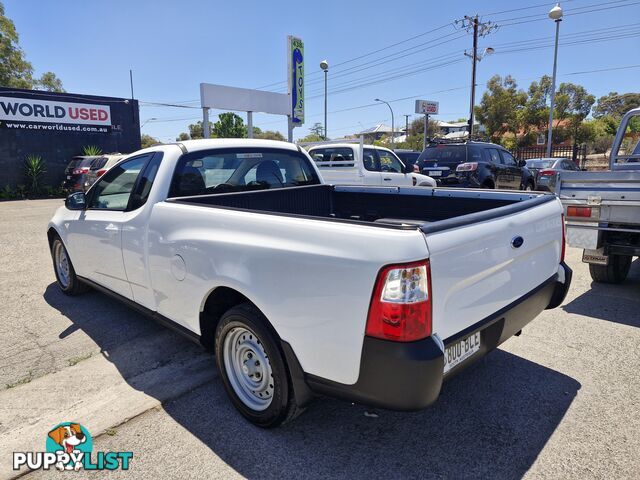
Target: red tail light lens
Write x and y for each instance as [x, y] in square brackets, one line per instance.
[416, 168]
[547, 173]
[579, 212]
[80, 171]
[401, 304]
[467, 167]
[99, 173]
[564, 239]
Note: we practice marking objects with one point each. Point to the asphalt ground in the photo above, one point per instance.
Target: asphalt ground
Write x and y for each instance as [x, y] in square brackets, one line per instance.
[560, 401]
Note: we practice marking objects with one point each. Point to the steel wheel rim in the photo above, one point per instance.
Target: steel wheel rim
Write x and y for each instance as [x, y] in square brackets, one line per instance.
[62, 265]
[248, 369]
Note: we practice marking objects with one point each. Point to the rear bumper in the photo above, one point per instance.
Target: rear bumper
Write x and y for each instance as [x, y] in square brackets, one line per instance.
[408, 376]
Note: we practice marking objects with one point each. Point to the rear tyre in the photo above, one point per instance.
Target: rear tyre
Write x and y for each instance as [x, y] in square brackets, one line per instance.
[253, 368]
[66, 277]
[528, 187]
[488, 184]
[615, 272]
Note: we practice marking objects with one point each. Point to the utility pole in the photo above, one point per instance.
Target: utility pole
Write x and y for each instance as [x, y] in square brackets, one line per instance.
[478, 29]
[406, 125]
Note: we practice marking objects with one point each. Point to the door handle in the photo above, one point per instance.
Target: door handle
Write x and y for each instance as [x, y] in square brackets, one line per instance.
[387, 179]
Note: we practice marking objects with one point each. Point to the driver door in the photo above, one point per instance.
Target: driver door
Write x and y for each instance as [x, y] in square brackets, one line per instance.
[392, 169]
[95, 238]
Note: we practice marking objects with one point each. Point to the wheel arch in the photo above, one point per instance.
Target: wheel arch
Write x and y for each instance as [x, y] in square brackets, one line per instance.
[217, 301]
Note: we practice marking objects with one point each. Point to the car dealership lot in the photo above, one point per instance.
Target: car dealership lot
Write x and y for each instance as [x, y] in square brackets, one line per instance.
[560, 401]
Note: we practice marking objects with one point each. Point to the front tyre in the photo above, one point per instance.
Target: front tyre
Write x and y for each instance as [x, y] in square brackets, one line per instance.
[615, 272]
[66, 277]
[252, 368]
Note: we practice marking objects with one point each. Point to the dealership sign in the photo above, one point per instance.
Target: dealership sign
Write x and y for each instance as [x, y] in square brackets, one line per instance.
[13, 109]
[296, 80]
[427, 107]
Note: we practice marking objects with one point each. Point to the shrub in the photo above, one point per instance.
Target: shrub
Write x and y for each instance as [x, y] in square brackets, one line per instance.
[34, 168]
[91, 150]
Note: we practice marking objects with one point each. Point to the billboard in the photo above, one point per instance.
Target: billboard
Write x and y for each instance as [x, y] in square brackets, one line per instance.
[243, 99]
[57, 126]
[295, 53]
[427, 107]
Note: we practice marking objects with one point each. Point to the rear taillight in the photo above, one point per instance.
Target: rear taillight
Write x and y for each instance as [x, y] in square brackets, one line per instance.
[99, 173]
[564, 239]
[401, 304]
[467, 167]
[416, 168]
[584, 212]
[80, 171]
[547, 173]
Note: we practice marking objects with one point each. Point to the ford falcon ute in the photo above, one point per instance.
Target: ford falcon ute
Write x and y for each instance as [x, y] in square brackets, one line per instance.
[373, 294]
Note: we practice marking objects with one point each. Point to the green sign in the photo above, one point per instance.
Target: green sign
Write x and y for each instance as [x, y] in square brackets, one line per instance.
[296, 80]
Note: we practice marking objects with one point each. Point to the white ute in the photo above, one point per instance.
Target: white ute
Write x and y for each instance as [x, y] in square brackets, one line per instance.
[359, 164]
[371, 294]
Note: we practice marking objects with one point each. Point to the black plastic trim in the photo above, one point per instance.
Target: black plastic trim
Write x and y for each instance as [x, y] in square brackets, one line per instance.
[561, 289]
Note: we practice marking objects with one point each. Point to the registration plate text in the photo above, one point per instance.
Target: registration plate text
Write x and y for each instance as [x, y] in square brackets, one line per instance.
[458, 352]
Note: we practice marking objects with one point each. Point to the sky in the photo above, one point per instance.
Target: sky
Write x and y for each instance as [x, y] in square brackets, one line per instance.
[397, 52]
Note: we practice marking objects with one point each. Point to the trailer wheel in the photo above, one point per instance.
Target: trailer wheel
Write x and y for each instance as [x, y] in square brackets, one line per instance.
[253, 368]
[615, 272]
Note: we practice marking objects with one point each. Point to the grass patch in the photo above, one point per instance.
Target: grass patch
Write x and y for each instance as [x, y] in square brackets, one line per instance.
[75, 360]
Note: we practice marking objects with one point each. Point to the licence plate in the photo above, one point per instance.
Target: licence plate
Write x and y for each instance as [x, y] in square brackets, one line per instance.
[435, 173]
[595, 257]
[68, 177]
[458, 352]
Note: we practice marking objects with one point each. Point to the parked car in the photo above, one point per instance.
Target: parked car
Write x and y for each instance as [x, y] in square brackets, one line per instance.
[77, 172]
[100, 165]
[475, 164]
[408, 157]
[374, 295]
[545, 168]
[351, 164]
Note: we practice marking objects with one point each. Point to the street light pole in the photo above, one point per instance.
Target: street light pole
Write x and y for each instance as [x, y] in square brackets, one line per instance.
[324, 65]
[147, 121]
[555, 14]
[474, 59]
[393, 141]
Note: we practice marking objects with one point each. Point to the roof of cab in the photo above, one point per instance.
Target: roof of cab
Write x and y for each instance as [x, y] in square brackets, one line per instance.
[204, 144]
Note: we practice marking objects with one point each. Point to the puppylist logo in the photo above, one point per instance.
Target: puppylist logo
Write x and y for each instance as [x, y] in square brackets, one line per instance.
[69, 446]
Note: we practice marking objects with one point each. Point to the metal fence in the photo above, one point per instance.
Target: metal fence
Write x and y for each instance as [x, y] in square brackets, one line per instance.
[578, 153]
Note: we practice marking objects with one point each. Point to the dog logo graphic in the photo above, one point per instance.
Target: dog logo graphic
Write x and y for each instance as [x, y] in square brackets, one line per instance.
[72, 439]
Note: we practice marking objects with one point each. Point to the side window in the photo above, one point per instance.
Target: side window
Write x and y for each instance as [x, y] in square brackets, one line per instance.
[370, 160]
[474, 154]
[493, 156]
[389, 162]
[333, 157]
[113, 190]
[508, 159]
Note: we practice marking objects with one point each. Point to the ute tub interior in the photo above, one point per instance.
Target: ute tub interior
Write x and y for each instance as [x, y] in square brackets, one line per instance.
[393, 207]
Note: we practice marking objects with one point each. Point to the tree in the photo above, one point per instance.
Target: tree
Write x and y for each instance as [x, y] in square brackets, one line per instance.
[312, 137]
[498, 109]
[415, 135]
[148, 141]
[573, 103]
[267, 134]
[317, 129]
[616, 105]
[229, 125]
[535, 112]
[49, 82]
[15, 70]
[183, 136]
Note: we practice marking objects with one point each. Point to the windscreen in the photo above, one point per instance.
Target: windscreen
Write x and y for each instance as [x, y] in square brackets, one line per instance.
[240, 169]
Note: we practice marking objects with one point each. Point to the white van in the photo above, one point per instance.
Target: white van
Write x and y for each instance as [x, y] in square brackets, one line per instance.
[353, 164]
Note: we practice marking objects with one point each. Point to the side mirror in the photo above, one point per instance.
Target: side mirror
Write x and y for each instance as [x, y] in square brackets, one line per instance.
[76, 201]
[408, 168]
[522, 163]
